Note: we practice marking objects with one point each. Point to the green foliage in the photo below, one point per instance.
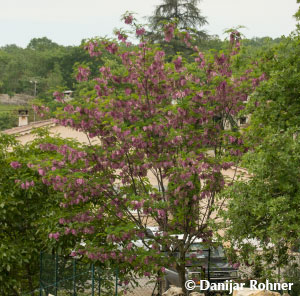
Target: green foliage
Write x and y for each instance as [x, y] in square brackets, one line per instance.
[27, 215]
[42, 44]
[275, 105]
[7, 120]
[292, 275]
[50, 64]
[264, 206]
[297, 14]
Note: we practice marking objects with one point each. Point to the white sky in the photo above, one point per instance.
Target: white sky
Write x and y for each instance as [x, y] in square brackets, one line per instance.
[67, 22]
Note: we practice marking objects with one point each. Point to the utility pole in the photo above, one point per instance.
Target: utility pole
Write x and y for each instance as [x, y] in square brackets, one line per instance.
[35, 83]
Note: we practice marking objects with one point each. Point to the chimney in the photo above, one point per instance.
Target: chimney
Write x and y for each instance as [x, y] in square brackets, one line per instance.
[23, 117]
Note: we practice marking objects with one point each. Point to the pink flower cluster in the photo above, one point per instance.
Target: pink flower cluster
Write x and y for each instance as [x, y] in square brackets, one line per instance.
[121, 36]
[140, 31]
[55, 235]
[59, 97]
[128, 19]
[178, 63]
[169, 32]
[83, 74]
[111, 47]
[91, 47]
[235, 37]
[200, 60]
[41, 110]
[27, 184]
[187, 37]
[41, 172]
[15, 164]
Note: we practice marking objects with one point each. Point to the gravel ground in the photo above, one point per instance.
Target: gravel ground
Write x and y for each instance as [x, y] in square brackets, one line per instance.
[145, 288]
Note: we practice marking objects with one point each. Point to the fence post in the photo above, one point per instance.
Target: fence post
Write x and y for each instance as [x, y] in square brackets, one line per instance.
[93, 279]
[41, 270]
[74, 277]
[56, 273]
[116, 281]
[99, 282]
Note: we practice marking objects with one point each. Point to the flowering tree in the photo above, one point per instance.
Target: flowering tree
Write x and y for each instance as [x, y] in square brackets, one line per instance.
[162, 147]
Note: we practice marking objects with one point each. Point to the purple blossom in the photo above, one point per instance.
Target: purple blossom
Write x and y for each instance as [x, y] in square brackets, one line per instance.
[128, 19]
[128, 91]
[178, 63]
[120, 215]
[59, 97]
[121, 36]
[187, 38]
[27, 184]
[15, 164]
[263, 77]
[169, 32]
[140, 31]
[236, 265]
[55, 235]
[129, 246]
[91, 48]
[62, 221]
[79, 181]
[83, 74]
[112, 48]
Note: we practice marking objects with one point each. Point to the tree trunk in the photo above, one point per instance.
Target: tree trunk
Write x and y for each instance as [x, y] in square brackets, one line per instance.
[181, 272]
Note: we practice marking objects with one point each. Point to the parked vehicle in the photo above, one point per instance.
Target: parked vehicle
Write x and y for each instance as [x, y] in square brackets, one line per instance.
[204, 263]
[208, 263]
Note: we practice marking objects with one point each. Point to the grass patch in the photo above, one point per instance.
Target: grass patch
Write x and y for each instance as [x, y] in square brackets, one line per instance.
[10, 107]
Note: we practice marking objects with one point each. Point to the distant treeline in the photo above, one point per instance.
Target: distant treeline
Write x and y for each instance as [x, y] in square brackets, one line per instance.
[52, 65]
[44, 61]
[45, 66]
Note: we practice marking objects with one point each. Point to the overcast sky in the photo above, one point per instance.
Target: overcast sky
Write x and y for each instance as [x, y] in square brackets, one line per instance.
[67, 22]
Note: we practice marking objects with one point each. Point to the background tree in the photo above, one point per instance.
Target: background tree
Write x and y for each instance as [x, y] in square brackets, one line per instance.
[185, 11]
[297, 14]
[188, 18]
[264, 207]
[42, 44]
[28, 212]
[262, 216]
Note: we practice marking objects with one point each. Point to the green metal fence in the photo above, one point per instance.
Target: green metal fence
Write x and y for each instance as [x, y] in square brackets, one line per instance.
[66, 276]
[60, 276]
